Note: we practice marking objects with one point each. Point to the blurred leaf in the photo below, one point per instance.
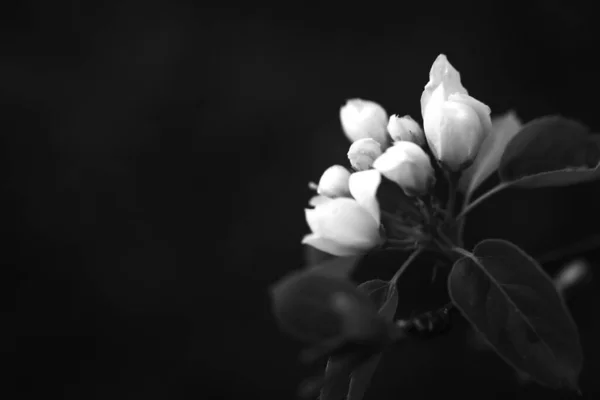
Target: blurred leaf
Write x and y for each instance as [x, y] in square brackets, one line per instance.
[509, 299]
[350, 381]
[551, 151]
[504, 128]
[315, 307]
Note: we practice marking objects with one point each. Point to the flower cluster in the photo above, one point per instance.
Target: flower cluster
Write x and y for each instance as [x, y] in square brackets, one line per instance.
[385, 199]
[346, 217]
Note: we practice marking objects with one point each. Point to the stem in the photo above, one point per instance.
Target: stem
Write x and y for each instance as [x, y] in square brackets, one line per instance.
[452, 186]
[424, 205]
[481, 198]
[461, 221]
[401, 270]
[465, 253]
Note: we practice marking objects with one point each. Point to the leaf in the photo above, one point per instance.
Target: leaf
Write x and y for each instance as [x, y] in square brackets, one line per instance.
[504, 128]
[509, 299]
[306, 305]
[361, 378]
[349, 381]
[551, 151]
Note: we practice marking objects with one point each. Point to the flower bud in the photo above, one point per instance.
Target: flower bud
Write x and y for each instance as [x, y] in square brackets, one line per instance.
[460, 136]
[455, 123]
[363, 153]
[334, 182]
[409, 166]
[405, 128]
[364, 119]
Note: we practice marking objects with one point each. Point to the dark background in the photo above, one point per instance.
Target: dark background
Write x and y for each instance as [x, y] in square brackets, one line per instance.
[155, 159]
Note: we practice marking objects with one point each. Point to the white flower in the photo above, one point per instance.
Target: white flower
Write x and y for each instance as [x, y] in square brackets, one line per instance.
[345, 226]
[363, 152]
[364, 119]
[405, 128]
[409, 166]
[455, 123]
[334, 182]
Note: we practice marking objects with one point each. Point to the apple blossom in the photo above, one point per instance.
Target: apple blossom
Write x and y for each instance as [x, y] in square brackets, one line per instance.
[334, 182]
[363, 153]
[364, 119]
[409, 166]
[346, 226]
[455, 123]
[405, 128]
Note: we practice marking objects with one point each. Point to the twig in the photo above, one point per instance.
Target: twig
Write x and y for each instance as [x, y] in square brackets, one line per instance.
[408, 261]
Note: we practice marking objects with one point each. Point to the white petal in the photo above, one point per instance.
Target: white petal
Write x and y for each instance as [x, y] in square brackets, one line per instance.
[363, 187]
[348, 223]
[482, 110]
[329, 246]
[315, 201]
[312, 219]
[432, 120]
[442, 74]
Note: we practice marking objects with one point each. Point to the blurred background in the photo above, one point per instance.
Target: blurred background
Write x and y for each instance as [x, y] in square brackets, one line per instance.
[154, 166]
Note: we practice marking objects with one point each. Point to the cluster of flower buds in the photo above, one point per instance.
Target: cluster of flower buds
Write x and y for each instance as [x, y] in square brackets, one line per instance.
[404, 161]
[346, 216]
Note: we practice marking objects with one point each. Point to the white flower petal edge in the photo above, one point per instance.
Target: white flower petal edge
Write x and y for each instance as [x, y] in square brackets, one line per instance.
[318, 200]
[312, 218]
[432, 119]
[329, 246]
[346, 222]
[442, 74]
[363, 187]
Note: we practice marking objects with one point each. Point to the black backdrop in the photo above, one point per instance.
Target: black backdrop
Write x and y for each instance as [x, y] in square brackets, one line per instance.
[155, 159]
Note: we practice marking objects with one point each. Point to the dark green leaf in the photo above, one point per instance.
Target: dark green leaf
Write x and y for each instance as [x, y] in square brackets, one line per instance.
[509, 299]
[551, 151]
[350, 381]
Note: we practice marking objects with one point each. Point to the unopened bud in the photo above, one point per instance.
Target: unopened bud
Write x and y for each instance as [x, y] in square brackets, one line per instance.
[364, 119]
[405, 128]
[363, 153]
[409, 166]
[455, 123]
[334, 182]
[460, 136]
